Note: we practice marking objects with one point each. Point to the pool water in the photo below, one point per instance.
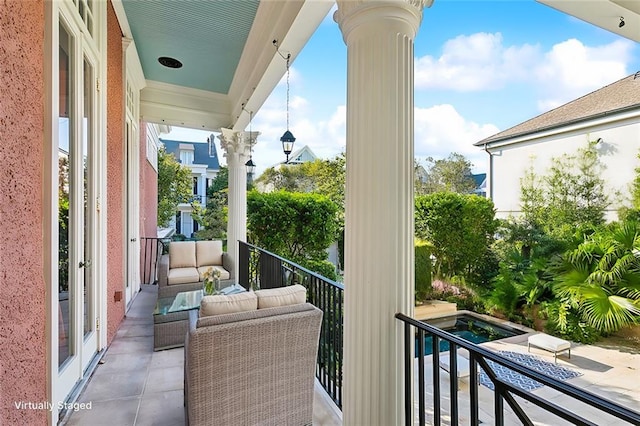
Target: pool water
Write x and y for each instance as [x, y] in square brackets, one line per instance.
[467, 327]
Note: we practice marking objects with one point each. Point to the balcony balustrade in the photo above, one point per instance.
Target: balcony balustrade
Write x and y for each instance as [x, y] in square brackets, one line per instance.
[262, 269]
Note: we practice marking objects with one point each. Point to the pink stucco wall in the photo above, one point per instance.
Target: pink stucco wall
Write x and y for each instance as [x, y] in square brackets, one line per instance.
[148, 190]
[22, 287]
[115, 172]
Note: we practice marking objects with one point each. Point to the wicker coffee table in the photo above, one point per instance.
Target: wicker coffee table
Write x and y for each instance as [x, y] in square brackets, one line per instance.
[171, 316]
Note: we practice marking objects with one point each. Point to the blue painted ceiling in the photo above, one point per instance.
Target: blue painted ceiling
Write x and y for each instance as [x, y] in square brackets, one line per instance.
[207, 36]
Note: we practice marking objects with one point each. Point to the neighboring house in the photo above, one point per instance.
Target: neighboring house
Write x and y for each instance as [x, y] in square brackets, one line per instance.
[202, 159]
[610, 115]
[480, 180]
[300, 156]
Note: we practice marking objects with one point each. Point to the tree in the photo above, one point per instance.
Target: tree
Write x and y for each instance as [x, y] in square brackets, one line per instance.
[212, 218]
[325, 177]
[452, 174]
[174, 186]
[600, 279]
[63, 223]
[296, 226]
[570, 196]
[460, 228]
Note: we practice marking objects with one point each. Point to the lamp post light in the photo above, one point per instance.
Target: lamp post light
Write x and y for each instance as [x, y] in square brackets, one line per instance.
[251, 169]
[287, 140]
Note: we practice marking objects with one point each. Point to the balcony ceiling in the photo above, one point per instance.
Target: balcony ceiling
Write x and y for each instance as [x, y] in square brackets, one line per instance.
[227, 52]
[604, 14]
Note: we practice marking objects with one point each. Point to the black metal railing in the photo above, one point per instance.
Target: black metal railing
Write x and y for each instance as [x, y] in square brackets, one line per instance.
[259, 269]
[415, 330]
[151, 249]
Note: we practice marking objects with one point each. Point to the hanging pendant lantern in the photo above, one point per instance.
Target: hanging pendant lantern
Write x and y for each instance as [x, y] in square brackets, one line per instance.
[287, 138]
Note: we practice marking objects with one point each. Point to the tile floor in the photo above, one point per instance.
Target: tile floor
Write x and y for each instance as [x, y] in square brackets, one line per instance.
[133, 385]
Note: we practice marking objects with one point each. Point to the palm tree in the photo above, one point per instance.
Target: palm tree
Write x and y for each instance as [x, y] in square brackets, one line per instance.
[601, 278]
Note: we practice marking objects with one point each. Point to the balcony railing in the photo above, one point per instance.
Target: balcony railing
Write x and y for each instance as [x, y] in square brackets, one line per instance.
[504, 391]
[259, 269]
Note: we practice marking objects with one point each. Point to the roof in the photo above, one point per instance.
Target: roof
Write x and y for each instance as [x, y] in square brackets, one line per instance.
[302, 155]
[479, 178]
[201, 154]
[617, 97]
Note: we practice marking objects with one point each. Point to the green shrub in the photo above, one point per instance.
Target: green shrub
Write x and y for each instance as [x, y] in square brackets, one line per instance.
[460, 227]
[565, 322]
[321, 267]
[295, 226]
[423, 287]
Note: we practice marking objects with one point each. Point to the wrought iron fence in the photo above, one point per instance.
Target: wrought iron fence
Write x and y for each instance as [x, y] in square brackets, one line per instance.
[151, 249]
[259, 269]
[504, 390]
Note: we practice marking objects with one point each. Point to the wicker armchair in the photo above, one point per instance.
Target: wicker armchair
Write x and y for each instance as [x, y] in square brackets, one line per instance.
[253, 367]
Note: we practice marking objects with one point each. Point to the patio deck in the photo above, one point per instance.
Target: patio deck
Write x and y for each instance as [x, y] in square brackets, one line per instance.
[607, 372]
[133, 385]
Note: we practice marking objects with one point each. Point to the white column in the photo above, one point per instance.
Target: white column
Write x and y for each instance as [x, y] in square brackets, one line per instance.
[379, 225]
[237, 147]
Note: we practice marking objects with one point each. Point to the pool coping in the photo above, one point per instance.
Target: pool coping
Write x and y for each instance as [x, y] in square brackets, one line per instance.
[526, 331]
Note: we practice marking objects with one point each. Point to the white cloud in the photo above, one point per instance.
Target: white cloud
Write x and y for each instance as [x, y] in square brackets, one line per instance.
[326, 138]
[441, 130]
[481, 62]
[571, 69]
[475, 62]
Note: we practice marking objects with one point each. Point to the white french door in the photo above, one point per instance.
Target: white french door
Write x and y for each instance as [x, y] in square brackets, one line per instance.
[78, 130]
[132, 283]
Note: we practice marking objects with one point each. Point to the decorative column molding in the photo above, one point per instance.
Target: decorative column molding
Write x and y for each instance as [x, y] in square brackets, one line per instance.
[237, 149]
[379, 224]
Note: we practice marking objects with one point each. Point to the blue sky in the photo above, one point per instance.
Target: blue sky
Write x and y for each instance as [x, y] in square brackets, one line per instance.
[480, 68]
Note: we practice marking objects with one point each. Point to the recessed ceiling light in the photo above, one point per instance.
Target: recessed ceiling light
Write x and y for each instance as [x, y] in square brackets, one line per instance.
[169, 62]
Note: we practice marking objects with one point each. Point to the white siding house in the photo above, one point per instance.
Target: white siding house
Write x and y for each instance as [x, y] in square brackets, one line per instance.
[202, 159]
[610, 115]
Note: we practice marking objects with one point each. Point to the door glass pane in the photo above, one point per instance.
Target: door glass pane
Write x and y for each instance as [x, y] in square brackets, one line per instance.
[65, 290]
[128, 177]
[87, 131]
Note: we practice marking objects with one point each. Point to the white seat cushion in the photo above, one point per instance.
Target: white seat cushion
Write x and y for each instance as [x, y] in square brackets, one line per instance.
[208, 253]
[182, 254]
[274, 297]
[182, 276]
[224, 274]
[222, 304]
[550, 343]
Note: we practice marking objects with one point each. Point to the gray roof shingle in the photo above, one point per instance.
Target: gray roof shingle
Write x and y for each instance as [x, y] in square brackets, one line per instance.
[200, 152]
[616, 97]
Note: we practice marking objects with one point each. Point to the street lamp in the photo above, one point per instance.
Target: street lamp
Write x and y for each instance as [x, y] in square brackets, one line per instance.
[287, 140]
[251, 166]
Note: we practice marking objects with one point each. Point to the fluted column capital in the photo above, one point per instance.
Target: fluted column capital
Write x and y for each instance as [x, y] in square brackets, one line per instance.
[237, 145]
[353, 13]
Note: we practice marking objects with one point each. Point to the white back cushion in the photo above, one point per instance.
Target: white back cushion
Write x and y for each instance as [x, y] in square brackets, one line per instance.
[223, 304]
[274, 297]
[209, 253]
[182, 254]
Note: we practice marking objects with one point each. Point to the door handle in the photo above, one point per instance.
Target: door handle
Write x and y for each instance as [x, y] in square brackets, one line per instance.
[85, 264]
[133, 240]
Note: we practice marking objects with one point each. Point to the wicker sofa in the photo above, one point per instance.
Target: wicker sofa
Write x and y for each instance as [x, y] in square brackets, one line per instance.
[182, 268]
[251, 367]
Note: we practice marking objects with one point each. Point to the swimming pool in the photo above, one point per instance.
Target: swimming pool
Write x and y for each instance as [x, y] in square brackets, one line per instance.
[468, 327]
